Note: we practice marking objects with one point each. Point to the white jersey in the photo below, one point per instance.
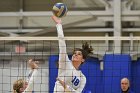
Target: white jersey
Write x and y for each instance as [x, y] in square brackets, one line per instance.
[67, 72]
[31, 81]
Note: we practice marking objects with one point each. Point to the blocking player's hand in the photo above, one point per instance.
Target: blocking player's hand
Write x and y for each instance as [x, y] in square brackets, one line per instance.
[33, 64]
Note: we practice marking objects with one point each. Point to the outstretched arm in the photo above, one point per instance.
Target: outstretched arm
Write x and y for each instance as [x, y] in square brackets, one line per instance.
[63, 57]
[34, 67]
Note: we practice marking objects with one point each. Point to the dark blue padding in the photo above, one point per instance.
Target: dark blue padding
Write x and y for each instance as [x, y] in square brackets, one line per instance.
[116, 66]
[136, 76]
[52, 71]
[91, 69]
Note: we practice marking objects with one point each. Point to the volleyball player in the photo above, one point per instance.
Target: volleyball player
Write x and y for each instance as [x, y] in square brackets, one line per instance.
[70, 79]
[22, 86]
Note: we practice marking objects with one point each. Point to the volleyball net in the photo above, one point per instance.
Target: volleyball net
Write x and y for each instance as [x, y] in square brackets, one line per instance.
[15, 52]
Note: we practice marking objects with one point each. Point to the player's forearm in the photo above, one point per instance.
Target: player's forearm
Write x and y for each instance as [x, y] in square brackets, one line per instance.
[62, 44]
[60, 30]
[67, 90]
[31, 81]
[34, 75]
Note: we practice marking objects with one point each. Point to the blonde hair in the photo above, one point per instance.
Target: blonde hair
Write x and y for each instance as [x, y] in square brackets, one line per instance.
[17, 85]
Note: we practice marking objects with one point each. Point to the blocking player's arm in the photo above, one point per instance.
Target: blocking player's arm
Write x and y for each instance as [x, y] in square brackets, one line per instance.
[63, 57]
[34, 67]
[31, 81]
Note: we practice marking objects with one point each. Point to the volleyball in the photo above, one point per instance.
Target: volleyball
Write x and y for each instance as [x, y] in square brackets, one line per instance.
[60, 10]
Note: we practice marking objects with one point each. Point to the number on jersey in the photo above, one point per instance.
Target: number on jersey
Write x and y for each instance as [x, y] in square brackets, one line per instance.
[75, 81]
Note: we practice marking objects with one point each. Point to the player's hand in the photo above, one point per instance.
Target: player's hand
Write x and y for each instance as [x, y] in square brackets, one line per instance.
[33, 64]
[61, 82]
[66, 89]
[56, 20]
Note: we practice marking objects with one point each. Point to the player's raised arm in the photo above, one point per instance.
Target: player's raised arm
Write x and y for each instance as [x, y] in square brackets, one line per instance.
[22, 86]
[34, 67]
[62, 45]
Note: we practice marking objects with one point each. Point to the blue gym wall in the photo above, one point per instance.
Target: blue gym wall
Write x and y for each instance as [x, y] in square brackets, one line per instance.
[136, 76]
[93, 75]
[116, 66]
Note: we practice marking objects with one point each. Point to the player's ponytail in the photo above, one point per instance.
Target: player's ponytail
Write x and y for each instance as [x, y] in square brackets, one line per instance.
[86, 50]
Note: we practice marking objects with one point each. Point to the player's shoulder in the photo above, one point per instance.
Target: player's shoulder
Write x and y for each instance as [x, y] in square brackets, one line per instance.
[83, 76]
